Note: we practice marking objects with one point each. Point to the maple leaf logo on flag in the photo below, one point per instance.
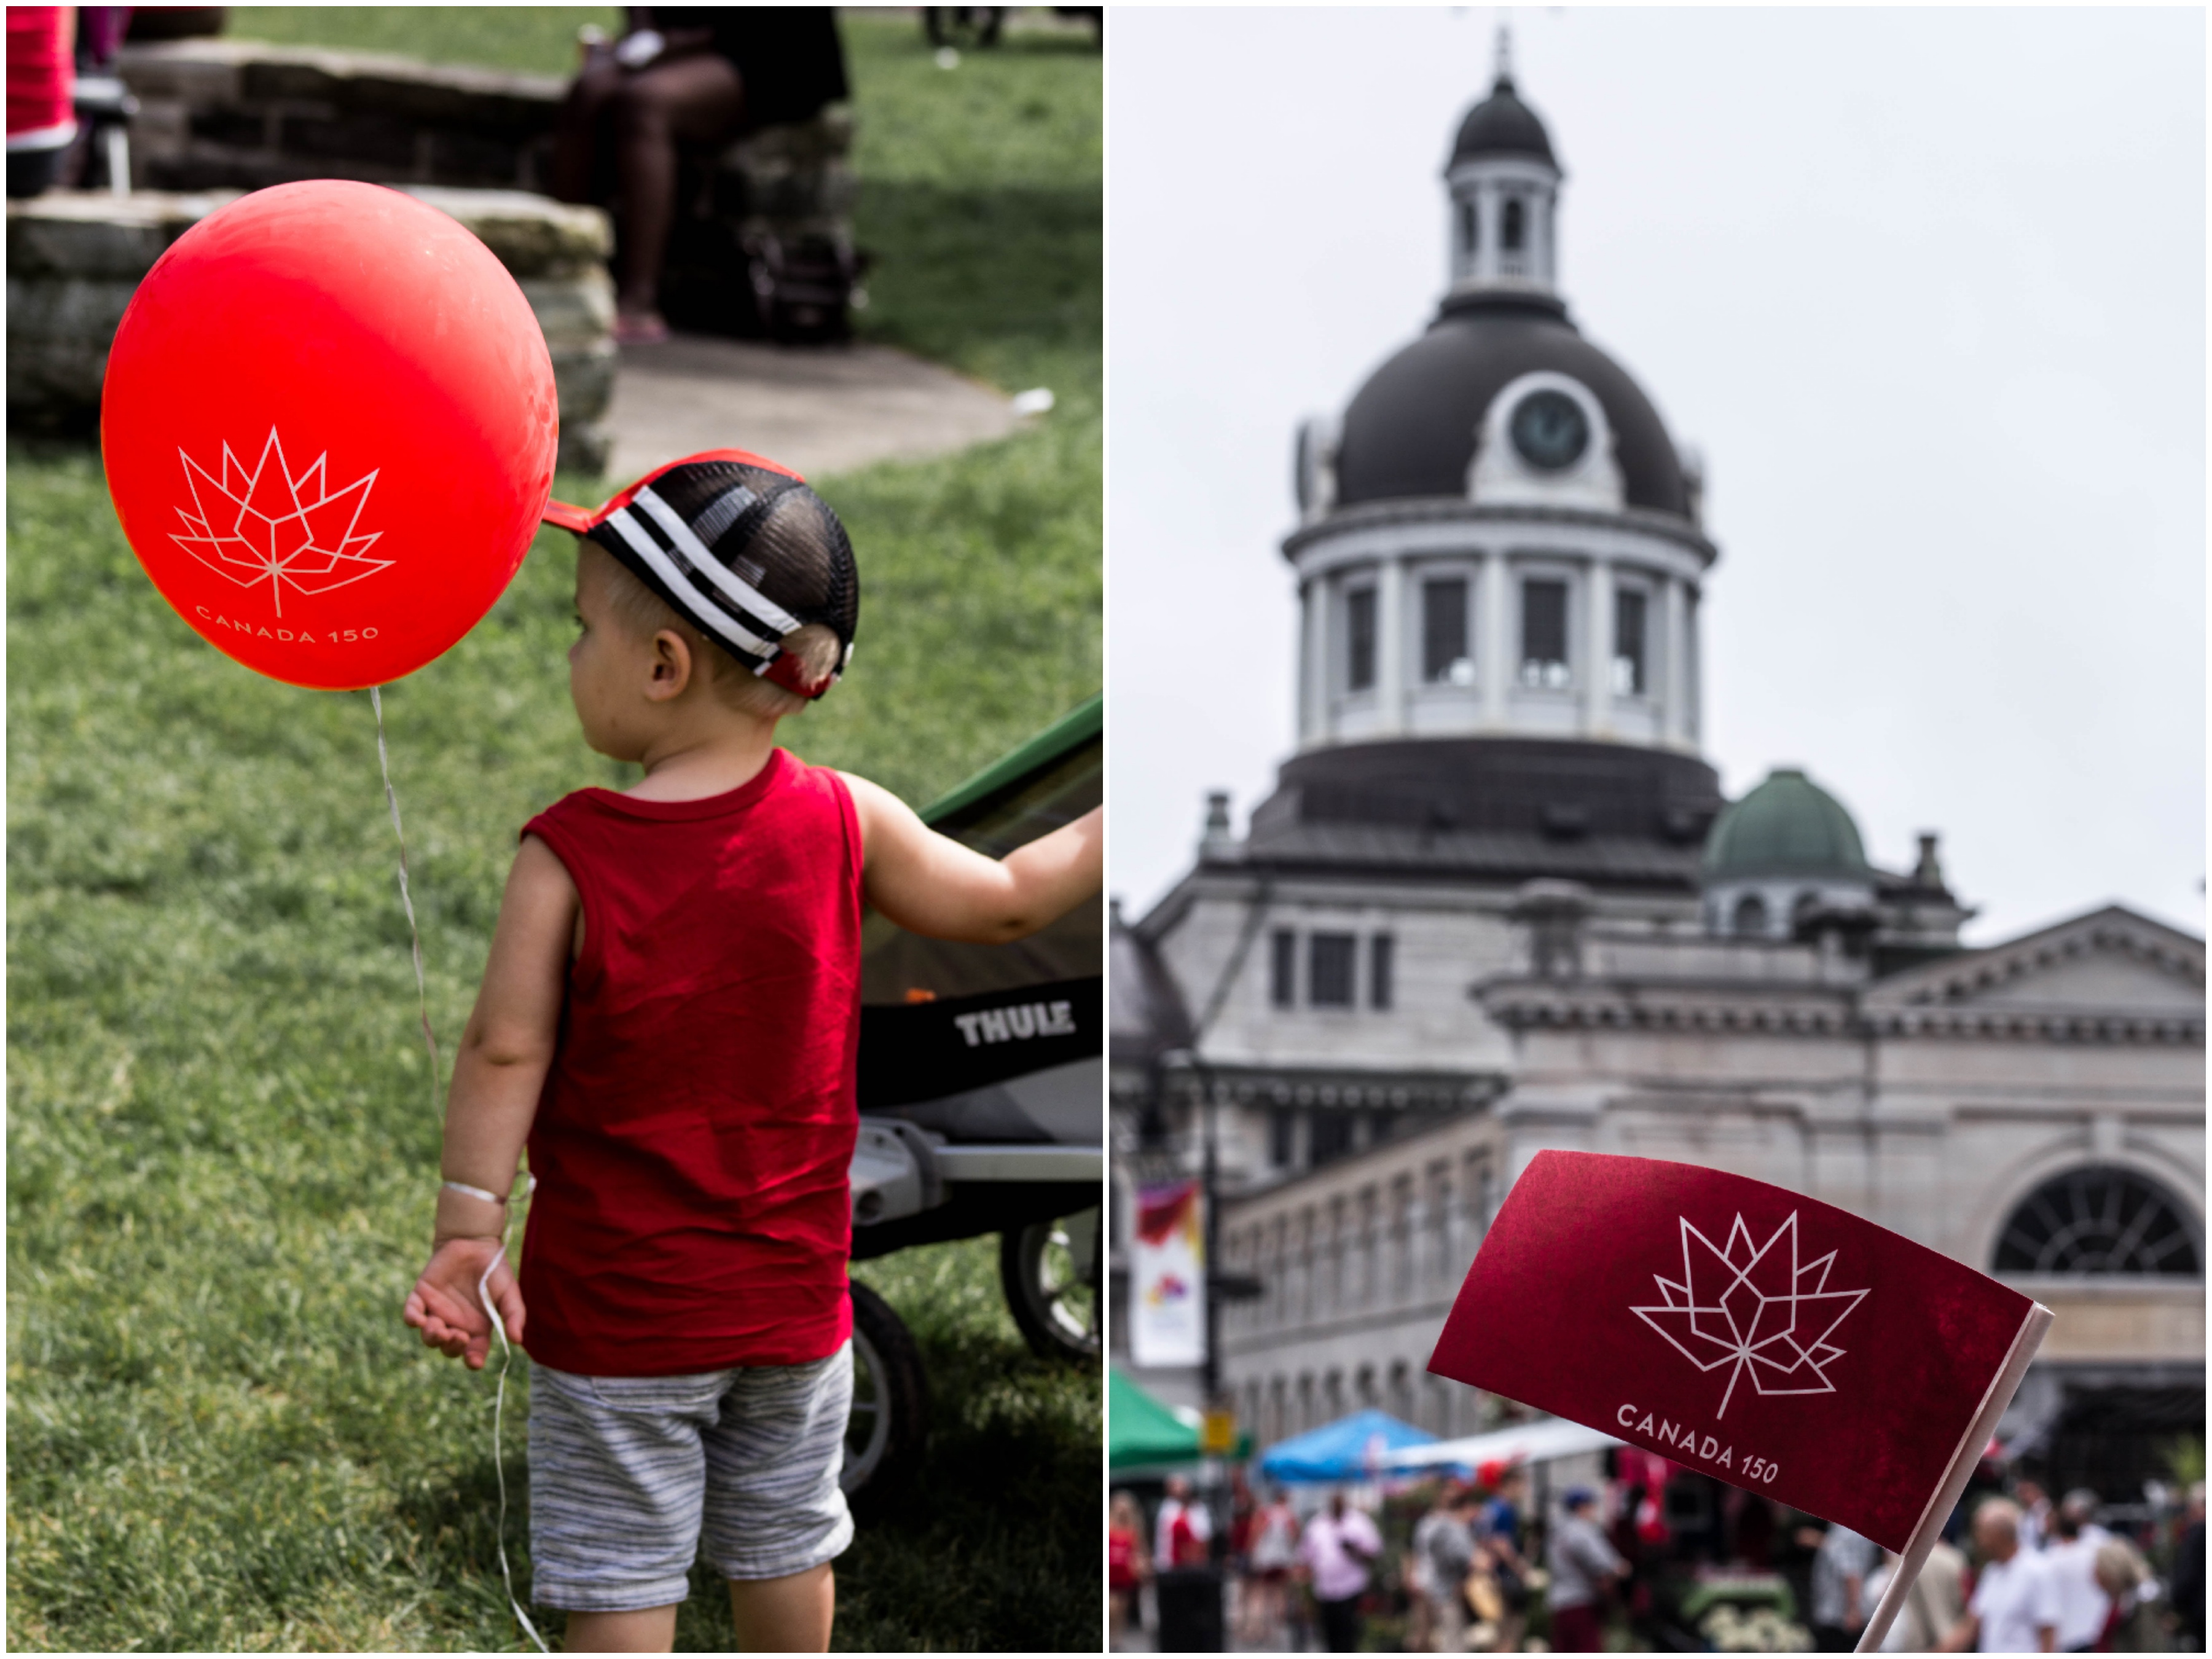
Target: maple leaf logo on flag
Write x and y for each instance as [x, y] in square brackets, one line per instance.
[1752, 1307]
[270, 525]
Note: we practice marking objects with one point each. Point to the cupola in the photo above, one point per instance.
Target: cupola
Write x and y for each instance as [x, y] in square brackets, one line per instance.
[1787, 850]
[1504, 183]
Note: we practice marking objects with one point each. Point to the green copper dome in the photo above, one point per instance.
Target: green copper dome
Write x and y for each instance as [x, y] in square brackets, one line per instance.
[1788, 826]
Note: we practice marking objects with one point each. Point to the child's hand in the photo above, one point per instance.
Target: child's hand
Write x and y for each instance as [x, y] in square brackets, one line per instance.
[444, 1307]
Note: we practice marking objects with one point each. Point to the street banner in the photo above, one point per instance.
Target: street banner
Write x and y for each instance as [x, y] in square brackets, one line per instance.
[1166, 1317]
[1748, 1332]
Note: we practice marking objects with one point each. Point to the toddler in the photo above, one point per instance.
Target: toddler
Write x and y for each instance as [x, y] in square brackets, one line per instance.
[668, 1021]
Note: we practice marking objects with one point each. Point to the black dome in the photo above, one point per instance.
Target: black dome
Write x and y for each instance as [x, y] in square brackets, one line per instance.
[1501, 125]
[1411, 430]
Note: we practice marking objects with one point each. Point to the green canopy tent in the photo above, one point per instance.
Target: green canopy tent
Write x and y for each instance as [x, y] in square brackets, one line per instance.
[1142, 1435]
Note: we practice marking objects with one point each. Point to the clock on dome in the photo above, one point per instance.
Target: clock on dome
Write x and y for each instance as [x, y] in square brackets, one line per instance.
[1550, 431]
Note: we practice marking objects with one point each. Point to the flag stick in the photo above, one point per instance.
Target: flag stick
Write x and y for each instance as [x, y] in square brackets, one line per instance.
[2024, 1342]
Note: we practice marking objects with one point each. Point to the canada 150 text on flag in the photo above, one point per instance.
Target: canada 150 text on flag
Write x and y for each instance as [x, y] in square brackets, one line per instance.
[1738, 1328]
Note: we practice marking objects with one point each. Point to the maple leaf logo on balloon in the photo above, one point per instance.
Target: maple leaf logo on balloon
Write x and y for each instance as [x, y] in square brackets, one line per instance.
[272, 525]
[1752, 1307]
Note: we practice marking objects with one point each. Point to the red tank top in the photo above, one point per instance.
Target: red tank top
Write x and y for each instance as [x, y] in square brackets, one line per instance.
[693, 1140]
[40, 76]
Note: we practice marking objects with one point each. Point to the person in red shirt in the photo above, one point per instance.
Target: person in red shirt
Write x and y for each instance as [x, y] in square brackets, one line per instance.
[1128, 1565]
[669, 1018]
[41, 78]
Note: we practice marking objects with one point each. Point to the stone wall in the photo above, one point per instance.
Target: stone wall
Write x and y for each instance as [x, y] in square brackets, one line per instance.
[238, 114]
[74, 261]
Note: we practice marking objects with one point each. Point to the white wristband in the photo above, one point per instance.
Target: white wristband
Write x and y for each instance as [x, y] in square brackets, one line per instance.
[463, 1187]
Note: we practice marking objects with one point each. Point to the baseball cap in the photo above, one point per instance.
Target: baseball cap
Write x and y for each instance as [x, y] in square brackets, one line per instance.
[741, 549]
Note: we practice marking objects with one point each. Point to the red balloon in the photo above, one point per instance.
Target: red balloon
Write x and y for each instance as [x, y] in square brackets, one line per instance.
[328, 424]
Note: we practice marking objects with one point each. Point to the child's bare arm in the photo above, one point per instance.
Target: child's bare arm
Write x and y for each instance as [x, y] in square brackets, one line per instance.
[929, 883]
[505, 1051]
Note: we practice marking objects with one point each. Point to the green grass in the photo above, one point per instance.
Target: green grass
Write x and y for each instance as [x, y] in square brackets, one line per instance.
[536, 40]
[222, 1140]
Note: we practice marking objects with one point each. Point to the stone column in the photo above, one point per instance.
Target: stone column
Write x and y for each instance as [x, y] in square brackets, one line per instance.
[1693, 690]
[1545, 266]
[1313, 668]
[1598, 649]
[1495, 649]
[1674, 728]
[1390, 644]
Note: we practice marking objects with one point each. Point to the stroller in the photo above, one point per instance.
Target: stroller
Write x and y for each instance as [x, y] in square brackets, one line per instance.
[981, 1097]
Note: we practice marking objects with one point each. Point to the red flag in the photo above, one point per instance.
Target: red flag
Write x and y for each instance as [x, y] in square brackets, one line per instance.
[1741, 1330]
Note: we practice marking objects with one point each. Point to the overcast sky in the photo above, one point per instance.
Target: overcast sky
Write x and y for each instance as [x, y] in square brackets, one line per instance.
[1927, 288]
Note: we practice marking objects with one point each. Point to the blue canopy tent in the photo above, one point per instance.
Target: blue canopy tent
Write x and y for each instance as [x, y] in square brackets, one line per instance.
[1352, 1448]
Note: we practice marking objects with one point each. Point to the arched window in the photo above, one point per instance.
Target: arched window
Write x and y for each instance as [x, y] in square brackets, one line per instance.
[2099, 1220]
[1510, 233]
[1750, 914]
[1470, 228]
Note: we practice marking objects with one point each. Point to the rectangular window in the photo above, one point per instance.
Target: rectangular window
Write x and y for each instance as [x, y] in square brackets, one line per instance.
[1283, 982]
[1329, 969]
[1332, 1138]
[1381, 950]
[1359, 639]
[1630, 635]
[1544, 635]
[1444, 660]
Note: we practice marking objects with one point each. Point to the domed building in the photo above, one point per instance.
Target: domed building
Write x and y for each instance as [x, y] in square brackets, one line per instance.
[1496, 903]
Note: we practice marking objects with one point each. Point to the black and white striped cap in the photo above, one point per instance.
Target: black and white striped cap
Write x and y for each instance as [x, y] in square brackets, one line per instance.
[741, 549]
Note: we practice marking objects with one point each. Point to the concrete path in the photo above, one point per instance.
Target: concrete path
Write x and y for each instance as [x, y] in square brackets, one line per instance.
[818, 409]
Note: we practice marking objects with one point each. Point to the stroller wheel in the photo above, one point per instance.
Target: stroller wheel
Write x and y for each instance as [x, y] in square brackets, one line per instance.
[890, 1399]
[1048, 1271]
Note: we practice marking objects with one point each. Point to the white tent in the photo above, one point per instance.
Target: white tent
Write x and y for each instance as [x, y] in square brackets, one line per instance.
[1539, 1442]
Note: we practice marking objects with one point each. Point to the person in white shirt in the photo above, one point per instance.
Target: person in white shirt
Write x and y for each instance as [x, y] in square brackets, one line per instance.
[2014, 1607]
[1195, 1531]
[1841, 1603]
[2034, 1513]
[2071, 1555]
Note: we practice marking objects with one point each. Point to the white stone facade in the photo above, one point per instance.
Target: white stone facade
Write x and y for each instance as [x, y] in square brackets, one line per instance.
[1934, 1101]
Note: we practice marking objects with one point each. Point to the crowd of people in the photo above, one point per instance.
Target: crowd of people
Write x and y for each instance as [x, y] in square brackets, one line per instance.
[2038, 1577]
[1299, 1582]
[2047, 1578]
[1478, 1570]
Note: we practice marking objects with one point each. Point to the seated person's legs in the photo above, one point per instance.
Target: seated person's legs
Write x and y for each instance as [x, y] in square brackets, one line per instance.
[582, 146]
[698, 100]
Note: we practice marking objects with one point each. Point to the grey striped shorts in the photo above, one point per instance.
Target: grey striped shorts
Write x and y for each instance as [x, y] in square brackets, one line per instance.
[629, 1474]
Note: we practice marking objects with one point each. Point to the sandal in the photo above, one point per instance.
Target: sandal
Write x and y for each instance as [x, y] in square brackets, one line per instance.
[640, 328]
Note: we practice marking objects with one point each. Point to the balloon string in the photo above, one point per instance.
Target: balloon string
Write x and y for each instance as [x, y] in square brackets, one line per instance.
[484, 1285]
[498, 1461]
[406, 899]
